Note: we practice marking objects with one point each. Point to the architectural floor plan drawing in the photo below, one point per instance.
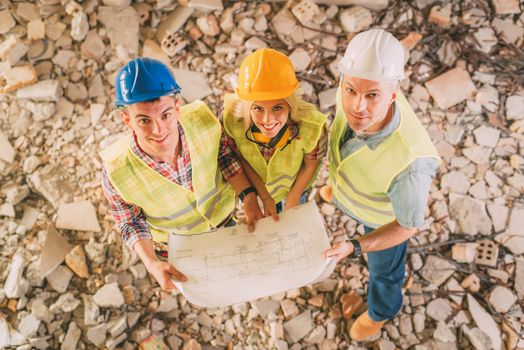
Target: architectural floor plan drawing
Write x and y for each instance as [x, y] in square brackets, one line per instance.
[230, 265]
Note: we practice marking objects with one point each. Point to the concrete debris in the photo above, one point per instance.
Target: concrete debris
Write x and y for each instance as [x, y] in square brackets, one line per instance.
[477, 338]
[7, 152]
[439, 309]
[436, 270]
[464, 252]
[484, 321]
[109, 296]
[59, 278]
[299, 326]
[71, 338]
[501, 299]
[53, 252]
[58, 62]
[515, 107]
[80, 216]
[6, 21]
[471, 215]
[17, 77]
[355, 19]
[451, 88]
[195, 84]
[76, 260]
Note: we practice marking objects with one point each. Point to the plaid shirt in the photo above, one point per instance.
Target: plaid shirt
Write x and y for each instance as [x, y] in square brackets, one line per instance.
[130, 219]
[318, 152]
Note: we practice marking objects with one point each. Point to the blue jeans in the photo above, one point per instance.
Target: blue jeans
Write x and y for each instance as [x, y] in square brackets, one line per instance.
[280, 205]
[386, 277]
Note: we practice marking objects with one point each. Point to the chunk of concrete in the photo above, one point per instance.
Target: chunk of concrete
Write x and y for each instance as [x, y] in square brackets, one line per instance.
[298, 327]
[12, 50]
[513, 237]
[6, 21]
[7, 152]
[515, 107]
[59, 278]
[470, 215]
[17, 77]
[109, 295]
[71, 338]
[355, 19]
[451, 88]
[486, 136]
[501, 299]
[194, 83]
[484, 321]
[79, 216]
[265, 307]
[300, 59]
[173, 22]
[53, 252]
[436, 270]
[115, 20]
[439, 309]
[45, 90]
[76, 260]
[15, 284]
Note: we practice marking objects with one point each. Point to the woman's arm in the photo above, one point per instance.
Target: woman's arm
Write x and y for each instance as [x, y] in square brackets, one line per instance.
[260, 186]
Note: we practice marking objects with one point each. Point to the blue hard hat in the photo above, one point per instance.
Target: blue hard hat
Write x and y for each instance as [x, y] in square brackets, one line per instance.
[143, 79]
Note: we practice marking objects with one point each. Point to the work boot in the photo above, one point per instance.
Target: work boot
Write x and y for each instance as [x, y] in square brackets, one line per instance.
[364, 327]
[326, 193]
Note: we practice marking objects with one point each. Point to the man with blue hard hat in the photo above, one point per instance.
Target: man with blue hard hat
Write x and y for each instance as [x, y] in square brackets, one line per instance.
[174, 172]
[382, 162]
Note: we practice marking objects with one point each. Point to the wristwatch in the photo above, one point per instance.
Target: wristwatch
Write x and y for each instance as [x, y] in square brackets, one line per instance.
[357, 250]
[245, 192]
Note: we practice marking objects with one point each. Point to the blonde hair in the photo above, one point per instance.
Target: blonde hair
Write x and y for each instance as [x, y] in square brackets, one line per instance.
[241, 108]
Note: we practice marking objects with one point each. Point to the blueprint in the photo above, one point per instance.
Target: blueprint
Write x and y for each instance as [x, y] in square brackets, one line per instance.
[231, 265]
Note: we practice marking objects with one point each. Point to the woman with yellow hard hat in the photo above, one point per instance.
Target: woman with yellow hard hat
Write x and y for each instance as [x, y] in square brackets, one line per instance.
[280, 137]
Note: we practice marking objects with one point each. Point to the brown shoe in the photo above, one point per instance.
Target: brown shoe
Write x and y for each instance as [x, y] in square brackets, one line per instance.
[326, 193]
[351, 303]
[364, 327]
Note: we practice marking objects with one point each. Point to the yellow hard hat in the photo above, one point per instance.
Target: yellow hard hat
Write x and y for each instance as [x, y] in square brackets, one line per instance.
[266, 74]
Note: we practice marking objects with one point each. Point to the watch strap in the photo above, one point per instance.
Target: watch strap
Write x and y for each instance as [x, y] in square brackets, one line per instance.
[245, 192]
[357, 249]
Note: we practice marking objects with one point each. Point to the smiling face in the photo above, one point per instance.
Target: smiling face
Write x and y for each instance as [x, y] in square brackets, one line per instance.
[155, 124]
[269, 116]
[366, 103]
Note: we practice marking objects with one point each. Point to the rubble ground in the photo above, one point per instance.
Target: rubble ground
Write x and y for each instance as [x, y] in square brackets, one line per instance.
[68, 282]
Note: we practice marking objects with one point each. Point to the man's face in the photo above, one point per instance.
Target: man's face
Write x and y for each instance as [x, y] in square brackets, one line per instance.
[155, 125]
[366, 102]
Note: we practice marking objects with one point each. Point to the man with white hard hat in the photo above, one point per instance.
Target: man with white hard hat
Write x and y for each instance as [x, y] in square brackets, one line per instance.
[382, 162]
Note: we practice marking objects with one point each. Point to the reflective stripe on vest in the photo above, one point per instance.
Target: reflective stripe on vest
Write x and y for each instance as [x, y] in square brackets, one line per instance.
[360, 181]
[166, 205]
[280, 171]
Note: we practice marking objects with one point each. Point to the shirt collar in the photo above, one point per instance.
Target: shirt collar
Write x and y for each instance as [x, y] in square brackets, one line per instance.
[373, 141]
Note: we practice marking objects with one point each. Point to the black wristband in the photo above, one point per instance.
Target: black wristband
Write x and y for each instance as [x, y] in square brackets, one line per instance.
[357, 249]
[245, 192]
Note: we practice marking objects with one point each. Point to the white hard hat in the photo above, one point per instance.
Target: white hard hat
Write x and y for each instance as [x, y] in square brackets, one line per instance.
[374, 55]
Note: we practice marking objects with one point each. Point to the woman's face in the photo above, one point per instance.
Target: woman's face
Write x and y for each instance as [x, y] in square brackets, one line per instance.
[269, 116]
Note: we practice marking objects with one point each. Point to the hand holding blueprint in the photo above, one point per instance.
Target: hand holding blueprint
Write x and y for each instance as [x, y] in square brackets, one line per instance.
[230, 265]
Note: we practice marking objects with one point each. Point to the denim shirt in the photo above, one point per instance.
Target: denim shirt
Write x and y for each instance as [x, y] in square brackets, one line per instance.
[409, 190]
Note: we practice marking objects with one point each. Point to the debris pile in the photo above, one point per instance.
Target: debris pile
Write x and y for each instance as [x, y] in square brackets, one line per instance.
[67, 281]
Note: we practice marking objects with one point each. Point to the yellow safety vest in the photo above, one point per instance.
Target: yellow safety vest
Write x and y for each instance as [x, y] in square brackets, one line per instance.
[280, 171]
[360, 181]
[166, 205]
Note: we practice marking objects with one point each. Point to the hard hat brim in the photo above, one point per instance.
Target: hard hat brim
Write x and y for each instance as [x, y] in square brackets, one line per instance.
[266, 95]
[145, 97]
[356, 73]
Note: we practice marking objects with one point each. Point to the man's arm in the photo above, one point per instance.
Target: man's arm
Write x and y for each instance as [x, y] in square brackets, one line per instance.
[408, 194]
[384, 237]
[136, 236]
